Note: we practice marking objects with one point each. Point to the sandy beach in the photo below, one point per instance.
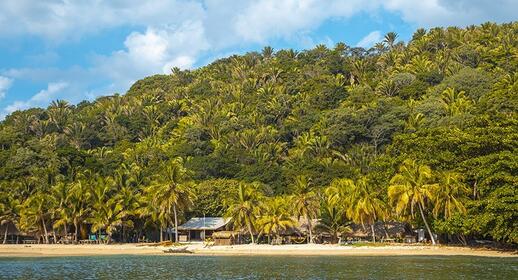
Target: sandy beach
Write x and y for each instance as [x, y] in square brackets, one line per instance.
[42, 250]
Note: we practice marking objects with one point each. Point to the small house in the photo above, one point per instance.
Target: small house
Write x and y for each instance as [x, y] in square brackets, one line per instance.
[388, 232]
[222, 238]
[197, 229]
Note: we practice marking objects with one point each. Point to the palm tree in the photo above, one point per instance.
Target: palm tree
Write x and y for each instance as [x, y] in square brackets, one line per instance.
[109, 217]
[129, 199]
[149, 211]
[332, 218]
[172, 192]
[411, 188]
[34, 213]
[99, 194]
[267, 52]
[59, 111]
[275, 217]
[390, 39]
[243, 206]
[62, 211]
[305, 202]
[78, 198]
[448, 195]
[364, 204]
[9, 211]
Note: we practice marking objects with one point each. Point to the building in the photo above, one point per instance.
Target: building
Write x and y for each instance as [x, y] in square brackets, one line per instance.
[197, 229]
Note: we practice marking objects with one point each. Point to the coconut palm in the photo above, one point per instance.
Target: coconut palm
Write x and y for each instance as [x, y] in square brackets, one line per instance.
[275, 218]
[100, 191]
[364, 204]
[35, 215]
[62, 213]
[243, 206]
[78, 198]
[306, 202]
[267, 52]
[129, 199]
[411, 188]
[448, 195]
[108, 218]
[9, 211]
[152, 214]
[390, 39]
[172, 192]
[332, 218]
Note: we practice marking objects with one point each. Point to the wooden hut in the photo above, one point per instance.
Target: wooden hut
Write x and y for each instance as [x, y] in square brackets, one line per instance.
[222, 238]
[10, 232]
[197, 229]
[384, 231]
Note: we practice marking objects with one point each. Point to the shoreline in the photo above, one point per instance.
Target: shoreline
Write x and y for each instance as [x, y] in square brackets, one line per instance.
[57, 250]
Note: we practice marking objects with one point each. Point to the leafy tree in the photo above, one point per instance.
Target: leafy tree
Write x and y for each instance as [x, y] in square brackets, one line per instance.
[275, 217]
[411, 187]
[243, 207]
[364, 205]
[172, 193]
[306, 202]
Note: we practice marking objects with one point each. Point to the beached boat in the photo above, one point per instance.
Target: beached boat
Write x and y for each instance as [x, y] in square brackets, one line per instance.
[178, 250]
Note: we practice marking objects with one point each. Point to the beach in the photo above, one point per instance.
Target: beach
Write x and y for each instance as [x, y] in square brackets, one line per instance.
[54, 250]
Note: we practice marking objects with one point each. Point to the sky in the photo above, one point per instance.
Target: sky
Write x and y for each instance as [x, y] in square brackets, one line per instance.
[79, 50]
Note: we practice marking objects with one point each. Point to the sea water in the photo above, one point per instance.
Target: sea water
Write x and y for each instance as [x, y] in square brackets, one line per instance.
[128, 267]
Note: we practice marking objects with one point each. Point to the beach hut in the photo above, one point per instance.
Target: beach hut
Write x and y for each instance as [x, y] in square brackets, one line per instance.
[384, 232]
[10, 232]
[197, 229]
[222, 238]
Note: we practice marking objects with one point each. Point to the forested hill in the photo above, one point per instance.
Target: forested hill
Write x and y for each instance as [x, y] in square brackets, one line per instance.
[447, 100]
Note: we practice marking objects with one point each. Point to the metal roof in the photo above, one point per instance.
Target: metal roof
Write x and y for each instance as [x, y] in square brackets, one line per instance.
[206, 223]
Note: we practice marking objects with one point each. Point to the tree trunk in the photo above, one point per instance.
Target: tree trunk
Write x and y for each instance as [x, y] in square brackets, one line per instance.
[46, 238]
[161, 233]
[373, 233]
[463, 239]
[426, 223]
[54, 235]
[175, 224]
[5, 234]
[310, 240]
[386, 230]
[250, 231]
[76, 228]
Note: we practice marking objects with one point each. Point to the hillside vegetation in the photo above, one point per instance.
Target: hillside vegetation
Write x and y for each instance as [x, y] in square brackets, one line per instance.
[424, 131]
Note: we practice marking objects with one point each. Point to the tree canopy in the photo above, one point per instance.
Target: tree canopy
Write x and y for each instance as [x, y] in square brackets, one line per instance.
[247, 127]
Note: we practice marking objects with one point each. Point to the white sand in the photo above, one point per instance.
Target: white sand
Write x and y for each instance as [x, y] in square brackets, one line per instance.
[41, 250]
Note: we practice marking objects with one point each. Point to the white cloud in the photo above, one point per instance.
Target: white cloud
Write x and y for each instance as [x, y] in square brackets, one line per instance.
[265, 19]
[178, 33]
[369, 40]
[58, 20]
[41, 99]
[5, 84]
[157, 49]
[431, 13]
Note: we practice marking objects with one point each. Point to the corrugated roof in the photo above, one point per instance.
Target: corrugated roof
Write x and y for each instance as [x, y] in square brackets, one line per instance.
[206, 223]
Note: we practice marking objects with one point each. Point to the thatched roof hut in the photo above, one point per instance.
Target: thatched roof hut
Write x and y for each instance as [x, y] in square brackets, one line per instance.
[381, 229]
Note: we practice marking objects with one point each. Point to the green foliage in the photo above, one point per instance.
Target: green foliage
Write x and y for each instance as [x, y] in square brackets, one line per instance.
[252, 123]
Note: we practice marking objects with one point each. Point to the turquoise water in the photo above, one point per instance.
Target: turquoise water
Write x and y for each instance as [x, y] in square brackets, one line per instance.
[259, 267]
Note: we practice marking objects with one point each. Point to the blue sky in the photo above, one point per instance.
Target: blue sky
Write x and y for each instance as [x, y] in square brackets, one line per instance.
[76, 50]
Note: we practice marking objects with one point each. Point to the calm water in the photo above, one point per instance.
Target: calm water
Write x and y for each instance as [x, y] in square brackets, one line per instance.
[258, 267]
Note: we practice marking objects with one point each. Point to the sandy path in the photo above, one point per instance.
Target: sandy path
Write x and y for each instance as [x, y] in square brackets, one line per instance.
[42, 250]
